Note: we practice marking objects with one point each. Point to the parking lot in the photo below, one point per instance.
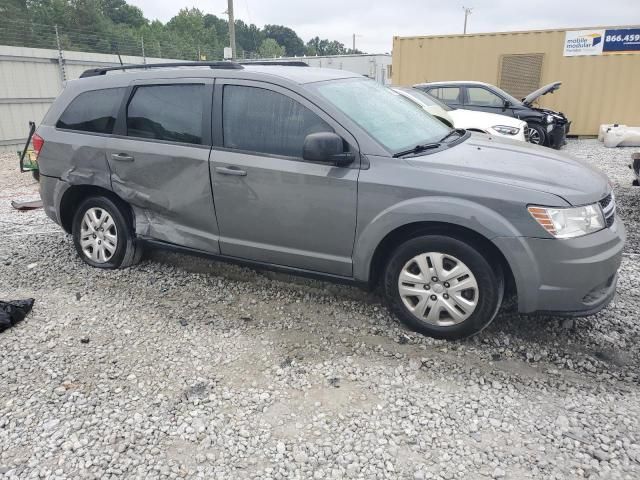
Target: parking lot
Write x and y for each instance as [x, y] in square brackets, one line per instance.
[182, 367]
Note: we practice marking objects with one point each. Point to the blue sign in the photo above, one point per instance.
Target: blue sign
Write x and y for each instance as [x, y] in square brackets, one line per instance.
[621, 40]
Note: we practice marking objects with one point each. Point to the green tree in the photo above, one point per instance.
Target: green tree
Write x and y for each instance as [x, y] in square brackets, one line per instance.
[286, 37]
[120, 11]
[248, 37]
[335, 48]
[315, 46]
[14, 9]
[115, 26]
[188, 22]
[269, 48]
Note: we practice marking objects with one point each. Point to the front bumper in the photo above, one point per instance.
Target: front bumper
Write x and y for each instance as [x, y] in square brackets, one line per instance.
[569, 277]
[635, 165]
[557, 137]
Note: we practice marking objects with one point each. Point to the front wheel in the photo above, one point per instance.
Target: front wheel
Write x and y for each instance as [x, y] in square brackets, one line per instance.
[442, 287]
[537, 135]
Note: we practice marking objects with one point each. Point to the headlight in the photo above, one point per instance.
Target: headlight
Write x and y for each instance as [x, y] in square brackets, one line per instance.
[503, 129]
[550, 118]
[569, 222]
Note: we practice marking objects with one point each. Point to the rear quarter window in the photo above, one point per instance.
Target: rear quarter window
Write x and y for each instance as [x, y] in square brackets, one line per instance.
[93, 111]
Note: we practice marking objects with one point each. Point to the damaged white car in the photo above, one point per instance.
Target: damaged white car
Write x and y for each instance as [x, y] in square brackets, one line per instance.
[483, 122]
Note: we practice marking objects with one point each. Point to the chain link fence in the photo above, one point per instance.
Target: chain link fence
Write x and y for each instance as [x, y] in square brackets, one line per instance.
[122, 41]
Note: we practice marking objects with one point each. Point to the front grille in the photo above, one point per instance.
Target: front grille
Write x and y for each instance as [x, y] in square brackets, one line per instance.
[608, 205]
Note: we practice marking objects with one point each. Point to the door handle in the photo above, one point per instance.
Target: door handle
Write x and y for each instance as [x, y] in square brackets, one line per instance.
[122, 157]
[231, 171]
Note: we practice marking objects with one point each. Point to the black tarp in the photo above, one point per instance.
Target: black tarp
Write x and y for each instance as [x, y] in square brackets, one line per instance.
[14, 311]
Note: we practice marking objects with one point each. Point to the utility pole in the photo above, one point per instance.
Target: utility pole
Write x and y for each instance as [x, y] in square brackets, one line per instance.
[353, 46]
[144, 58]
[467, 12]
[232, 29]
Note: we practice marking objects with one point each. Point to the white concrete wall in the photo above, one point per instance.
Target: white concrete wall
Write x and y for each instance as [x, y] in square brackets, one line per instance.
[30, 79]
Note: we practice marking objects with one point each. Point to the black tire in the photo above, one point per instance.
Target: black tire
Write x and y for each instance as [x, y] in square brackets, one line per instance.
[537, 134]
[127, 251]
[490, 282]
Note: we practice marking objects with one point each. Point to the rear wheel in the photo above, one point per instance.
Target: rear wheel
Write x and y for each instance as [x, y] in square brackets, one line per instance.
[103, 234]
[537, 135]
[442, 287]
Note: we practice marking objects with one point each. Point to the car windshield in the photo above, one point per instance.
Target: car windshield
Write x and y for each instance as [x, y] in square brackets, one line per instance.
[389, 118]
[426, 98]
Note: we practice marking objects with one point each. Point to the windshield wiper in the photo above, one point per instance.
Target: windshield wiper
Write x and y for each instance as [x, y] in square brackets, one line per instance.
[417, 149]
[459, 131]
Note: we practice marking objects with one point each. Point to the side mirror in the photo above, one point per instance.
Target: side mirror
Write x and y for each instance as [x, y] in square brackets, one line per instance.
[506, 105]
[327, 147]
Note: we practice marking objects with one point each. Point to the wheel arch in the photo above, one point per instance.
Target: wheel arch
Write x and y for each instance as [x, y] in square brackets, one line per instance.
[401, 234]
[75, 194]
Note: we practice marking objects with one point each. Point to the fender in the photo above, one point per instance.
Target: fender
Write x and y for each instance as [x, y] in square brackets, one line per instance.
[455, 211]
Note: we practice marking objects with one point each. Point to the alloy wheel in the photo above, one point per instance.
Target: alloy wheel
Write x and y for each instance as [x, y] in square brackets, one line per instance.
[438, 289]
[534, 136]
[98, 235]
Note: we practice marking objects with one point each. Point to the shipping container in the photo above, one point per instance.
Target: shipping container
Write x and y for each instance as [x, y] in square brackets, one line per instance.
[597, 87]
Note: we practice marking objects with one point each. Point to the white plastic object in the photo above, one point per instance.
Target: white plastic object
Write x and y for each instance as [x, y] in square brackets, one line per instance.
[622, 137]
[606, 126]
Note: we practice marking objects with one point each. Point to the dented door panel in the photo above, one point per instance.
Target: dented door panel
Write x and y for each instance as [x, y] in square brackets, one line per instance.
[169, 189]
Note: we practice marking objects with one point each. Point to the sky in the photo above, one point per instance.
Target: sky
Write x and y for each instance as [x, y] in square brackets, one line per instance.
[376, 22]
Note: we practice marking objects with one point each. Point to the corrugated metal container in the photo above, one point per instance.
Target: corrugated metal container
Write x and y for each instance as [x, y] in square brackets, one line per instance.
[595, 89]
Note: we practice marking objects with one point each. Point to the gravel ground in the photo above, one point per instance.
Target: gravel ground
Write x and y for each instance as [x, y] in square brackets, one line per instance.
[182, 367]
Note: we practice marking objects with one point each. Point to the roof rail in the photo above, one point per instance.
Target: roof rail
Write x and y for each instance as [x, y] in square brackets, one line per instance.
[94, 72]
[282, 63]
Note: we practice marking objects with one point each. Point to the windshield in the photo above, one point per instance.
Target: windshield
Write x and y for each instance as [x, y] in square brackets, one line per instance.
[384, 114]
[426, 98]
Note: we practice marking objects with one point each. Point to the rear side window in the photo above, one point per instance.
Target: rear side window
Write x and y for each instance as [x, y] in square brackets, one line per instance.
[94, 111]
[446, 94]
[167, 112]
[264, 121]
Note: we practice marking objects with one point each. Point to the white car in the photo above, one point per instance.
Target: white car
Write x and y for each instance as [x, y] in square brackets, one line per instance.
[491, 123]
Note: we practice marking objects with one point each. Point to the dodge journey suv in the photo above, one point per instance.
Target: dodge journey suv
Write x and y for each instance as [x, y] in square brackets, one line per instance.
[324, 172]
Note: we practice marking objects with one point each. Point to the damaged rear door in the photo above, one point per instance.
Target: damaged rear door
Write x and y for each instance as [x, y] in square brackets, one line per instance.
[159, 161]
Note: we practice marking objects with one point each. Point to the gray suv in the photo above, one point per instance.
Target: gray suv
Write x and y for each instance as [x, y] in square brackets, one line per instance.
[325, 173]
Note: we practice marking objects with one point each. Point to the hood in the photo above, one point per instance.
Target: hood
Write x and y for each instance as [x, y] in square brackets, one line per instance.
[523, 165]
[533, 96]
[438, 111]
[472, 119]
